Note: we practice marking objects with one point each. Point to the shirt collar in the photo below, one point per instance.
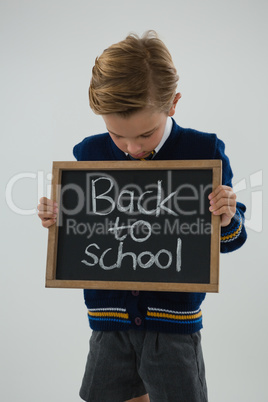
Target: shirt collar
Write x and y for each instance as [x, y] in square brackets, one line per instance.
[166, 134]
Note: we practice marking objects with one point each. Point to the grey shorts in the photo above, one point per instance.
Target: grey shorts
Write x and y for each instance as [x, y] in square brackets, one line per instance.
[125, 365]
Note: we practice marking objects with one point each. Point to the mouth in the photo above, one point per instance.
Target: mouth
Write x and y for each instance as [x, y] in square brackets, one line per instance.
[141, 155]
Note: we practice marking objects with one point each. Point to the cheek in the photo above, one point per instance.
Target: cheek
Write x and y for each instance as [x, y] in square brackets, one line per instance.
[119, 143]
[157, 138]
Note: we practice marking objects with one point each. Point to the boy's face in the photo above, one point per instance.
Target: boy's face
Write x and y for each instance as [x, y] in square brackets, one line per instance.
[139, 134]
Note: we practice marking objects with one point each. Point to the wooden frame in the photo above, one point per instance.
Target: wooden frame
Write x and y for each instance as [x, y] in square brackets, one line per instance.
[58, 167]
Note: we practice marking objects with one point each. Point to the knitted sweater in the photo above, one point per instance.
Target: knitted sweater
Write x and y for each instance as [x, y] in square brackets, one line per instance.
[180, 312]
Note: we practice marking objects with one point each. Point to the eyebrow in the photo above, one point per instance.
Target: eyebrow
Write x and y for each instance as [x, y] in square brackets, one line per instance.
[147, 132]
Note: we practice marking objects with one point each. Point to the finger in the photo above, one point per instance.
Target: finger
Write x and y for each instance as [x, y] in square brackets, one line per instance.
[47, 215]
[46, 223]
[47, 201]
[47, 208]
[229, 202]
[218, 190]
[229, 211]
[223, 193]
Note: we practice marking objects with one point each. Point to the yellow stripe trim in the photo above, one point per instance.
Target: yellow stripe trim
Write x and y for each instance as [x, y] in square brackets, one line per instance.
[174, 316]
[232, 234]
[101, 314]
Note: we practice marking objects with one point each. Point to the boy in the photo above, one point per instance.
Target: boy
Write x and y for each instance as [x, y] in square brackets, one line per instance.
[146, 345]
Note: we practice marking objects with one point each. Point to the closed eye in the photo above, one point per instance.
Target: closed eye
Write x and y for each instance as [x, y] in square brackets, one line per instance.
[147, 135]
[142, 136]
[115, 135]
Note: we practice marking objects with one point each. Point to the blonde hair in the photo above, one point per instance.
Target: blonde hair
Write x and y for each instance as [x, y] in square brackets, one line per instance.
[133, 74]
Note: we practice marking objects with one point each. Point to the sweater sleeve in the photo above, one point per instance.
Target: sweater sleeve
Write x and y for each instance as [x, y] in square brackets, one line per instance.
[94, 148]
[234, 235]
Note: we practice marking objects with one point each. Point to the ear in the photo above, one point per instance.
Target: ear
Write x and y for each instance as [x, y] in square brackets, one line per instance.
[173, 107]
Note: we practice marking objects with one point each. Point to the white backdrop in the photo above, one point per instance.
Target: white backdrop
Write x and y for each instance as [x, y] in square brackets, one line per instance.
[47, 52]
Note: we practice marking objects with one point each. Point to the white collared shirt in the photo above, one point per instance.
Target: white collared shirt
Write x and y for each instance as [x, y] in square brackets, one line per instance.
[166, 134]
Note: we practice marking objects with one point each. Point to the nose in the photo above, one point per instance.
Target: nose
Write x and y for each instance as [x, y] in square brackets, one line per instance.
[133, 148]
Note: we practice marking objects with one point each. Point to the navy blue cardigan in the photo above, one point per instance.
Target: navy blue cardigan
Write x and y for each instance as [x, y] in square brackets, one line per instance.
[110, 310]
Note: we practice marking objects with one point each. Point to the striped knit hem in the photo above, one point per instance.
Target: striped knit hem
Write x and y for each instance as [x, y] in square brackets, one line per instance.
[232, 235]
[174, 317]
[109, 315]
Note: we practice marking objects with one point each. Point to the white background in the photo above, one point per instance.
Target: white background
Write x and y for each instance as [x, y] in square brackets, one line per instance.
[47, 51]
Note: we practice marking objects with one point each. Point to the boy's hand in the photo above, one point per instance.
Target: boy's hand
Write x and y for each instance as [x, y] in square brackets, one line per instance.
[47, 211]
[223, 203]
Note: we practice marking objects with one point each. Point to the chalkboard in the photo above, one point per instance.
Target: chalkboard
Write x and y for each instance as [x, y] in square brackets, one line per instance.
[135, 225]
